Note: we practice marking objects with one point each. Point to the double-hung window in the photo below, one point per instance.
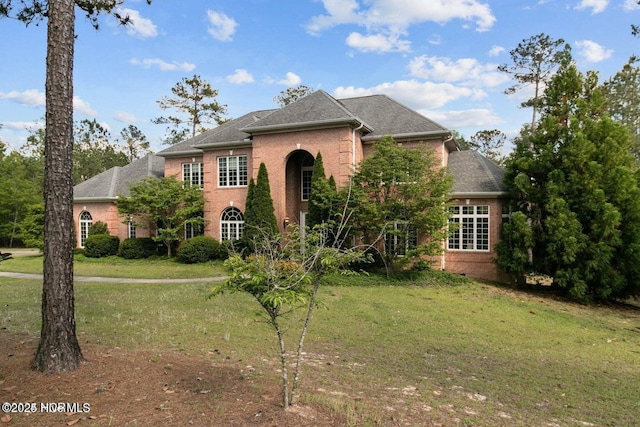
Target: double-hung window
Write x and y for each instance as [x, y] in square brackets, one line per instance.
[193, 173]
[232, 171]
[470, 230]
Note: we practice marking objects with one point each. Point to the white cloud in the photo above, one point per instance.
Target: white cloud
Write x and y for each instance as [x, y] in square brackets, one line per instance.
[477, 117]
[400, 14]
[631, 5]
[592, 51]
[377, 43]
[138, 26]
[125, 117]
[596, 6]
[83, 107]
[222, 27]
[162, 65]
[292, 79]
[496, 50]
[240, 76]
[23, 125]
[467, 71]
[31, 97]
[416, 94]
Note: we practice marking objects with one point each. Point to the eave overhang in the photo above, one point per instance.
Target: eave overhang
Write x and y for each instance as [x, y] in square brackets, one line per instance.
[311, 125]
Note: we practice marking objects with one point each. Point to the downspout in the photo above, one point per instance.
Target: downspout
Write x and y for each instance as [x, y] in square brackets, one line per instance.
[443, 261]
[353, 147]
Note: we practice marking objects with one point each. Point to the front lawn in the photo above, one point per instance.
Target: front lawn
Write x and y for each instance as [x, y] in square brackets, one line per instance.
[412, 354]
[113, 266]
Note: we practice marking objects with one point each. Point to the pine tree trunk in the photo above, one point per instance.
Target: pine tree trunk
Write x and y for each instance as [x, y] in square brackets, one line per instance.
[58, 350]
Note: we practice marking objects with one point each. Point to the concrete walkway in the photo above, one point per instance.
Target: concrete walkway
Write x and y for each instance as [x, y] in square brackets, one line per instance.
[114, 279]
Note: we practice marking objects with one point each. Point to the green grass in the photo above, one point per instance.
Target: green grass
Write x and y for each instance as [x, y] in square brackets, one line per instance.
[470, 354]
[113, 266]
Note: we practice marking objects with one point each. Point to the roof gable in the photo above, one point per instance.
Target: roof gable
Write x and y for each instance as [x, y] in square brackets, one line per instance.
[115, 182]
[474, 173]
[389, 117]
[318, 109]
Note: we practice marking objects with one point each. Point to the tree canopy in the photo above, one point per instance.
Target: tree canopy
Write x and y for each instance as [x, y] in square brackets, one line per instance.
[402, 200]
[164, 205]
[292, 94]
[260, 214]
[534, 61]
[576, 200]
[622, 92]
[195, 101]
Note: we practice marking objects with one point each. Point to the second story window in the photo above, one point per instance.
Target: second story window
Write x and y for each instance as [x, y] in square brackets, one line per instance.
[193, 174]
[232, 171]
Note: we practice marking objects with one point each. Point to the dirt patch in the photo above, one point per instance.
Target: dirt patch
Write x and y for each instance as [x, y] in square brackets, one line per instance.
[118, 387]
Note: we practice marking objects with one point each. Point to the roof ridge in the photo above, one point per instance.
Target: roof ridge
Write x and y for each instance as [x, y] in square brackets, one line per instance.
[114, 180]
[485, 167]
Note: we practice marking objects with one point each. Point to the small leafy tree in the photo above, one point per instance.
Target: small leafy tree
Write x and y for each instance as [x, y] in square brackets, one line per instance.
[402, 195]
[282, 275]
[164, 205]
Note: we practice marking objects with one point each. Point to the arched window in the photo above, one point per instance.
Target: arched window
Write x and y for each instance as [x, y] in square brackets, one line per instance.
[85, 225]
[231, 224]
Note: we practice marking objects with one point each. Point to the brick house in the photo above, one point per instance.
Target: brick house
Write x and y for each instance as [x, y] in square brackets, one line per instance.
[222, 160]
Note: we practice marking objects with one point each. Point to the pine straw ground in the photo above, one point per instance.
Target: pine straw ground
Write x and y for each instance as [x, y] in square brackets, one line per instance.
[138, 388]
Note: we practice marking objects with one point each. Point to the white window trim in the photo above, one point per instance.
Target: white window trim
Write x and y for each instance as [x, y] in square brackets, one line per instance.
[85, 225]
[188, 173]
[238, 225]
[474, 217]
[131, 229]
[302, 171]
[242, 179]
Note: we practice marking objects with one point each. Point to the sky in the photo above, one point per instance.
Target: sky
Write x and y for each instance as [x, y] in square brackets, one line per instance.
[438, 57]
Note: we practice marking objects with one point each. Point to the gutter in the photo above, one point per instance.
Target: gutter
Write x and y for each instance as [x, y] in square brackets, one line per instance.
[480, 195]
[292, 127]
[408, 135]
[231, 144]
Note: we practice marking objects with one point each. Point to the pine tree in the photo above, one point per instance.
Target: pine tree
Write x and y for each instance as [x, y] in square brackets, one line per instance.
[250, 219]
[574, 183]
[260, 215]
[321, 197]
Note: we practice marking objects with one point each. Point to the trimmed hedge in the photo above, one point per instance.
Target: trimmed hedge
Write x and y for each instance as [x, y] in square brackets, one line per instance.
[138, 248]
[199, 249]
[101, 245]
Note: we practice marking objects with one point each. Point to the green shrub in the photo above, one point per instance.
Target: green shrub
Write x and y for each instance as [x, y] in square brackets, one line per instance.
[199, 249]
[101, 245]
[138, 248]
[98, 227]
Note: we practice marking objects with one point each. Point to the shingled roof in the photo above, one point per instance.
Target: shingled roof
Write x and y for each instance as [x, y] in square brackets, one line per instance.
[228, 133]
[115, 182]
[379, 116]
[475, 175]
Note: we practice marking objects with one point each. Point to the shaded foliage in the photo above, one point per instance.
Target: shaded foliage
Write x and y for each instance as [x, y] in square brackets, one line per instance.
[575, 195]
